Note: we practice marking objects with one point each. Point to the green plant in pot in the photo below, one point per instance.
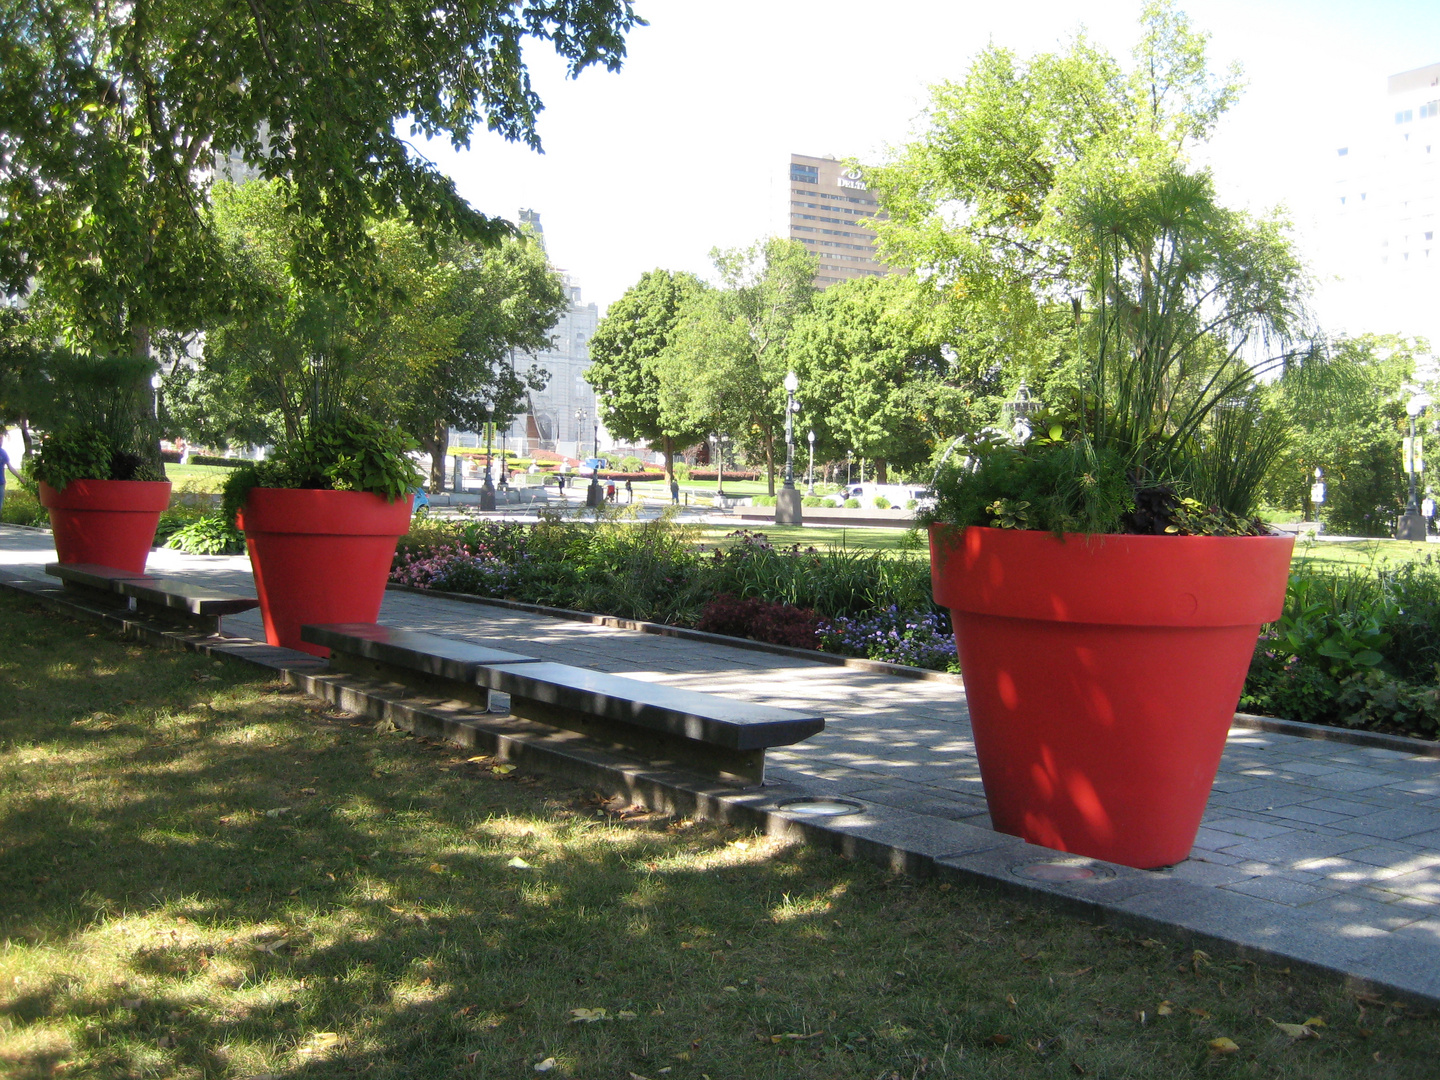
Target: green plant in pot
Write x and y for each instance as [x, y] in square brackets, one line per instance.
[97, 470]
[1107, 578]
[321, 519]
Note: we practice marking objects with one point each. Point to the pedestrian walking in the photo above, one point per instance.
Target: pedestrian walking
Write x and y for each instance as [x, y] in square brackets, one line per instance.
[629, 492]
[674, 491]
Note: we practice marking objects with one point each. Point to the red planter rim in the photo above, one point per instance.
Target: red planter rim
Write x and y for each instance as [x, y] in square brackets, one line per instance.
[1110, 579]
[107, 495]
[323, 512]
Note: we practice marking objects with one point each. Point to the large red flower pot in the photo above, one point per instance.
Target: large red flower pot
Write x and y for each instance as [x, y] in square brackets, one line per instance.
[1102, 675]
[106, 522]
[319, 557]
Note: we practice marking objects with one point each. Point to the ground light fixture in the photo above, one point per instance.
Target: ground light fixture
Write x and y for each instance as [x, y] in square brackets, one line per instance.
[818, 807]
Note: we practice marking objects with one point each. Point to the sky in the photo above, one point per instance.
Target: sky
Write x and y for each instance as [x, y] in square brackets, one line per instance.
[687, 147]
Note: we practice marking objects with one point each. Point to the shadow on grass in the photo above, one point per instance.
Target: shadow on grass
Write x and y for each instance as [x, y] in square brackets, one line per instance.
[202, 876]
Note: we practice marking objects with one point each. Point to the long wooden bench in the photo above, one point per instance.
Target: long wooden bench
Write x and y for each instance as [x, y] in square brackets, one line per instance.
[664, 725]
[168, 599]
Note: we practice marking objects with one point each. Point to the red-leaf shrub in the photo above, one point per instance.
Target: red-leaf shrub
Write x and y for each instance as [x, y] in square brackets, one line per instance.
[763, 620]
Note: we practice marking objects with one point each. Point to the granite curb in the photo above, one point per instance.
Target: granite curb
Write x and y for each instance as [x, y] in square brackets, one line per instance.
[899, 839]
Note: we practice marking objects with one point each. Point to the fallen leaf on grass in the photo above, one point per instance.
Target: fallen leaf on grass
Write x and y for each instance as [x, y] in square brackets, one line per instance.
[502, 770]
[1297, 1031]
[133, 1004]
[588, 1016]
[322, 1042]
[270, 946]
[546, 1065]
[998, 1040]
[794, 1035]
[1201, 1013]
[637, 1076]
[436, 868]
[624, 1014]
[1316, 1022]
[1223, 1045]
[1164, 1009]
[519, 864]
[277, 811]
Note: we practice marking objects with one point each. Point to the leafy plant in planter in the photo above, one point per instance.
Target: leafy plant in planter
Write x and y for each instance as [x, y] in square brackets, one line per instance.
[104, 492]
[1108, 579]
[321, 519]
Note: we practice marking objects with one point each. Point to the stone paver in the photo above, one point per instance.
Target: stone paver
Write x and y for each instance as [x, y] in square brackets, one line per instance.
[1302, 839]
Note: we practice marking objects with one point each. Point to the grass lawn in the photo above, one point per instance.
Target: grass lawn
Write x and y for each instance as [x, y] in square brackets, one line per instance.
[209, 478]
[1361, 554]
[204, 875]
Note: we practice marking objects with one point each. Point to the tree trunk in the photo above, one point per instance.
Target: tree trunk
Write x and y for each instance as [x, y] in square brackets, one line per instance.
[437, 446]
[25, 436]
[147, 424]
[882, 471]
[770, 463]
[667, 443]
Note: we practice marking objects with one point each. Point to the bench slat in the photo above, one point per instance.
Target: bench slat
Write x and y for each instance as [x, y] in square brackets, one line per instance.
[446, 658]
[690, 714]
[154, 590]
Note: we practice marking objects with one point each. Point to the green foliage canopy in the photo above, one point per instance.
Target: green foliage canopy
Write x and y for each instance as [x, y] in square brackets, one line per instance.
[625, 353]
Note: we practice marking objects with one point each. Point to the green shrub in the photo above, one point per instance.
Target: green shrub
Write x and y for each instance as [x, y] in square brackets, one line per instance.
[853, 504]
[631, 464]
[682, 471]
[882, 503]
[351, 453]
[911, 504]
[812, 500]
[763, 500]
[209, 535]
[22, 507]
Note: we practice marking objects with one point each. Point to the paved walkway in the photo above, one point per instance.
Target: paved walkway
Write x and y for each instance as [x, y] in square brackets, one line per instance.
[1319, 850]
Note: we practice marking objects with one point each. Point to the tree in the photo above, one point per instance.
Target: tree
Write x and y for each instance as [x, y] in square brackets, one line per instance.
[625, 353]
[1345, 413]
[110, 117]
[427, 351]
[725, 367]
[874, 372]
[984, 201]
[497, 299]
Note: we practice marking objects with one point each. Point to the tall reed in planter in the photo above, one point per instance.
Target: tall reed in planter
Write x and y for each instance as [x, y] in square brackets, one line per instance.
[1107, 580]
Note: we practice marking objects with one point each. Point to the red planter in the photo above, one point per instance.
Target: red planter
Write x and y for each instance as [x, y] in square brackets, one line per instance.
[106, 522]
[319, 557]
[1102, 675]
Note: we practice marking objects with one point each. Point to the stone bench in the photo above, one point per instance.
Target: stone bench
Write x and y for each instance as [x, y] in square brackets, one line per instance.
[667, 726]
[168, 599]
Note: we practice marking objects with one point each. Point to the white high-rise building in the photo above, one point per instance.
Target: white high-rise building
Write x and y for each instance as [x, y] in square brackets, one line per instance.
[1379, 257]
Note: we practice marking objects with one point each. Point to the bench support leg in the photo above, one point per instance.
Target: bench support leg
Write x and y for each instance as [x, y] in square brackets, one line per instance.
[743, 768]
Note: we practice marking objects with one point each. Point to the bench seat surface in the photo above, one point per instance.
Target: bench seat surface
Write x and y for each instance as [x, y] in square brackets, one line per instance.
[448, 658]
[707, 718]
[161, 591]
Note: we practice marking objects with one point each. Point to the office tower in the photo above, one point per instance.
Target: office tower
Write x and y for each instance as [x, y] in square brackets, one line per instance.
[831, 212]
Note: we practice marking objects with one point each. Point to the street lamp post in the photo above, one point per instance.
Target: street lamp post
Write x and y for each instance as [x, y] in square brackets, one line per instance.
[787, 503]
[849, 460]
[593, 495]
[580, 416]
[811, 483]
[504, 460]
[1412, 524]
[718, 441]
[487, 493]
